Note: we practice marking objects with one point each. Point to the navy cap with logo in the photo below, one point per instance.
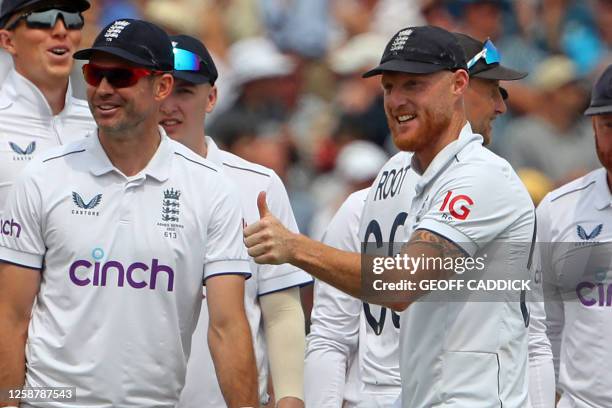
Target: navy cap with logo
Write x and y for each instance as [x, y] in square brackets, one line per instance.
[601, 96]
[421, 50]
[142, 43]
[192, 61]
[484, 61]
[10, 7]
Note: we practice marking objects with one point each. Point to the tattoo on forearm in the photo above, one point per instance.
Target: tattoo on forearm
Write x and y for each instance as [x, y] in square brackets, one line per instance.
[443, 246]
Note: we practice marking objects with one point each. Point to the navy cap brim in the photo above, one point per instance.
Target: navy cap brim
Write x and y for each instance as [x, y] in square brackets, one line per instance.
[408, 67]
[598, 110]
[500, 73]
[117, 52]
[80, 5]
[192, 77]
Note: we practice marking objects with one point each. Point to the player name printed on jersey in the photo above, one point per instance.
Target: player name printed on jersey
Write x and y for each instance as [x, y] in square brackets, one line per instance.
[10, 228]
[390, 182]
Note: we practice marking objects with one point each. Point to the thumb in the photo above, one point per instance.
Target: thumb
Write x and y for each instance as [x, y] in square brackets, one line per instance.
[262, 205]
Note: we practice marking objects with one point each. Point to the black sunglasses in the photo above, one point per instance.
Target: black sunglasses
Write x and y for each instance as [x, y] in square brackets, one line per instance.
[73, 20]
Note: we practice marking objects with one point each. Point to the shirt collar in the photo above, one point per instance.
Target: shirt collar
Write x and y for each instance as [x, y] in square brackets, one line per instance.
[444, 157]
[213, 153]
[603, 198]
[30, 97]
[158, 167]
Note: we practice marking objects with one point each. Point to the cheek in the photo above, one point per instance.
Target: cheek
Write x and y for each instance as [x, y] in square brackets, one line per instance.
[75, 37]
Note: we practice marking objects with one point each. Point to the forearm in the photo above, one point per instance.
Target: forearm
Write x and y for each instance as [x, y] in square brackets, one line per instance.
[231, 348]
[340, 269]
[13, 337]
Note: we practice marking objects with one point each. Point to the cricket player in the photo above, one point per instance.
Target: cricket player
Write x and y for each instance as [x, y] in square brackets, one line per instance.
[37, 109]
[574, 237]
[455, 354]
[112, 237]
[345, 329]
[272, 298]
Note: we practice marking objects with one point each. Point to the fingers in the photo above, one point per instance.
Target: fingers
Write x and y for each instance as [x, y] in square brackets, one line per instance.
[262, 206]
[256, 238]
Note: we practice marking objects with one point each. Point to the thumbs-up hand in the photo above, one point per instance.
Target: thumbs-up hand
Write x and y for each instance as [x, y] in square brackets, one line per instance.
[267, 240]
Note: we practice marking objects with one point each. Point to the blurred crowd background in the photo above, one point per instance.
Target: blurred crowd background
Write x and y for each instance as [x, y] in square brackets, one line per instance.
[291, 96]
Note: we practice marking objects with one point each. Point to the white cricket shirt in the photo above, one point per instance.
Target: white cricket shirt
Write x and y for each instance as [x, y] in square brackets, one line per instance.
[28, 126]
[575, 234]
[470, 354]
[122, 262]
[201, 387]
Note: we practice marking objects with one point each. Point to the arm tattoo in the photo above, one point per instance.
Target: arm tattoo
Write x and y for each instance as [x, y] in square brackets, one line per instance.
[445, 248]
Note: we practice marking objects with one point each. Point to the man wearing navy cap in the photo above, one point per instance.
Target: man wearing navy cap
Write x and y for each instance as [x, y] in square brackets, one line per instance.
[113, 236]
[37, 108]
[449, 200]
[272, 297]
[574, 229]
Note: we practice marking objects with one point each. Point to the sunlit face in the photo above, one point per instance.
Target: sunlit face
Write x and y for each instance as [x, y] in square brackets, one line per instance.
[483, 103]
[602, 125]
[42, 55]
[120, 110]
[183, 113]
[418, 107]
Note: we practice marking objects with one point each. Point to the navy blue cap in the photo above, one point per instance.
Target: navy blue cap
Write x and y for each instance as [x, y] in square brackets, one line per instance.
[421, 50]
[207, 72]
[601, 97]
[10, 7]
[139, 42]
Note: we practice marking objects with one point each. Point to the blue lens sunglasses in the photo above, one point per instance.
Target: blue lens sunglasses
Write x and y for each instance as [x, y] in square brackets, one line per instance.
[186, 60]
[488, 52]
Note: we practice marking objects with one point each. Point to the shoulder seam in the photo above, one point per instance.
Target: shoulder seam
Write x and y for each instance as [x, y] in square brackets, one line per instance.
[573, 191]
[196, 162]
[245, 169]
[64, 155]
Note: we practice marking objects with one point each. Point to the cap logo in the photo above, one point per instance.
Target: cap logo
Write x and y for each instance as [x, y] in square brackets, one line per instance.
[401, 39]
[116, 29]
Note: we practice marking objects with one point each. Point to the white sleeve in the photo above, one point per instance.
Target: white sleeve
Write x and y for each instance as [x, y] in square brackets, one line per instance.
[225, 252]
[473, 207]
[334, 332]
[541, 370]
[273, 278]
[22, 241]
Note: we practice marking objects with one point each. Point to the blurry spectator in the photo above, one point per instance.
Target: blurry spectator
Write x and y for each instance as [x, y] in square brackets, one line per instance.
[437, 13]
[556, 139]
[174, 16]
[536, 183]
[481, 19]
[300, 27]
[112, 10]
[356, 168]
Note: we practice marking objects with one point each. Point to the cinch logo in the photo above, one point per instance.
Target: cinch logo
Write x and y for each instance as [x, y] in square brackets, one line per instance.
[10, 228]
[81, 274]
[460, 213]
[589, 297]
[93, 203]
[582, 234]
[116, 29]
[23, 154]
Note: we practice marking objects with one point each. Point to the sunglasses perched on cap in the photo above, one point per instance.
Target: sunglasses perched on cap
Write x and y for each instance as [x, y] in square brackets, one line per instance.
[117, 77]
[186, 60]
[489, 53]
[73, 20]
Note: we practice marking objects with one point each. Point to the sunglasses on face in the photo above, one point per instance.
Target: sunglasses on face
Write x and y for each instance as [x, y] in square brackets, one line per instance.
[489, 53]
[186, 60]
[117, 77]
[73, 20]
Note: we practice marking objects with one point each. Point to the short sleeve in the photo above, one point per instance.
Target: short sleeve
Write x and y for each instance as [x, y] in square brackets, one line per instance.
[225, 252]
[21, 238]
[274, 278]
[475, 205]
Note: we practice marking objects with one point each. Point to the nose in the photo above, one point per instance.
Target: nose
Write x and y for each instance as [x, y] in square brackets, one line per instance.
[104, 88]
[59, 29]
[168, 107]
[500, 104]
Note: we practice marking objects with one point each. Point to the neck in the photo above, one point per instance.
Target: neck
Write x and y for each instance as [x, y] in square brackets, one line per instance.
[54, 91]
[131, 150]
[428, 154]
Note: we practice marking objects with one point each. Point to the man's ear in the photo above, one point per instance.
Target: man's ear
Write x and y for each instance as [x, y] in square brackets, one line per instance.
[7, 41]
[461, 81]
[163, 87]
[212, 99]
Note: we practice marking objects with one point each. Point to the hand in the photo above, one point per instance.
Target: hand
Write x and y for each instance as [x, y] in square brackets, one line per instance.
[268, 241]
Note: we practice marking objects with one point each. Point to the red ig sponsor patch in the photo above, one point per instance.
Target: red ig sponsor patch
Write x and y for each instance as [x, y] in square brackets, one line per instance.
[457, 205]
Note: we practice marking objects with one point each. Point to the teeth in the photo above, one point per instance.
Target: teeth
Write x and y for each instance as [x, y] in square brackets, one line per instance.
[405, 118]
[59, 51]
[170, 122]
[107, 107]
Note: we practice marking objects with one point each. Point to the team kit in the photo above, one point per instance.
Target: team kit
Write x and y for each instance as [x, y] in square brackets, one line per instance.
[141, 265]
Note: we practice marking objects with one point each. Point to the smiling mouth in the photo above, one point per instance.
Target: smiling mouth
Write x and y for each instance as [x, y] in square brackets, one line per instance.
[405, 118]
[170, 122]
[59, 51]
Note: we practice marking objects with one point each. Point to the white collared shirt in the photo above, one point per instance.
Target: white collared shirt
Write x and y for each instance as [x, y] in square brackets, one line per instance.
[575, 236]
[469, 354]
[201, 386]
[28, 126]
[122, 262]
